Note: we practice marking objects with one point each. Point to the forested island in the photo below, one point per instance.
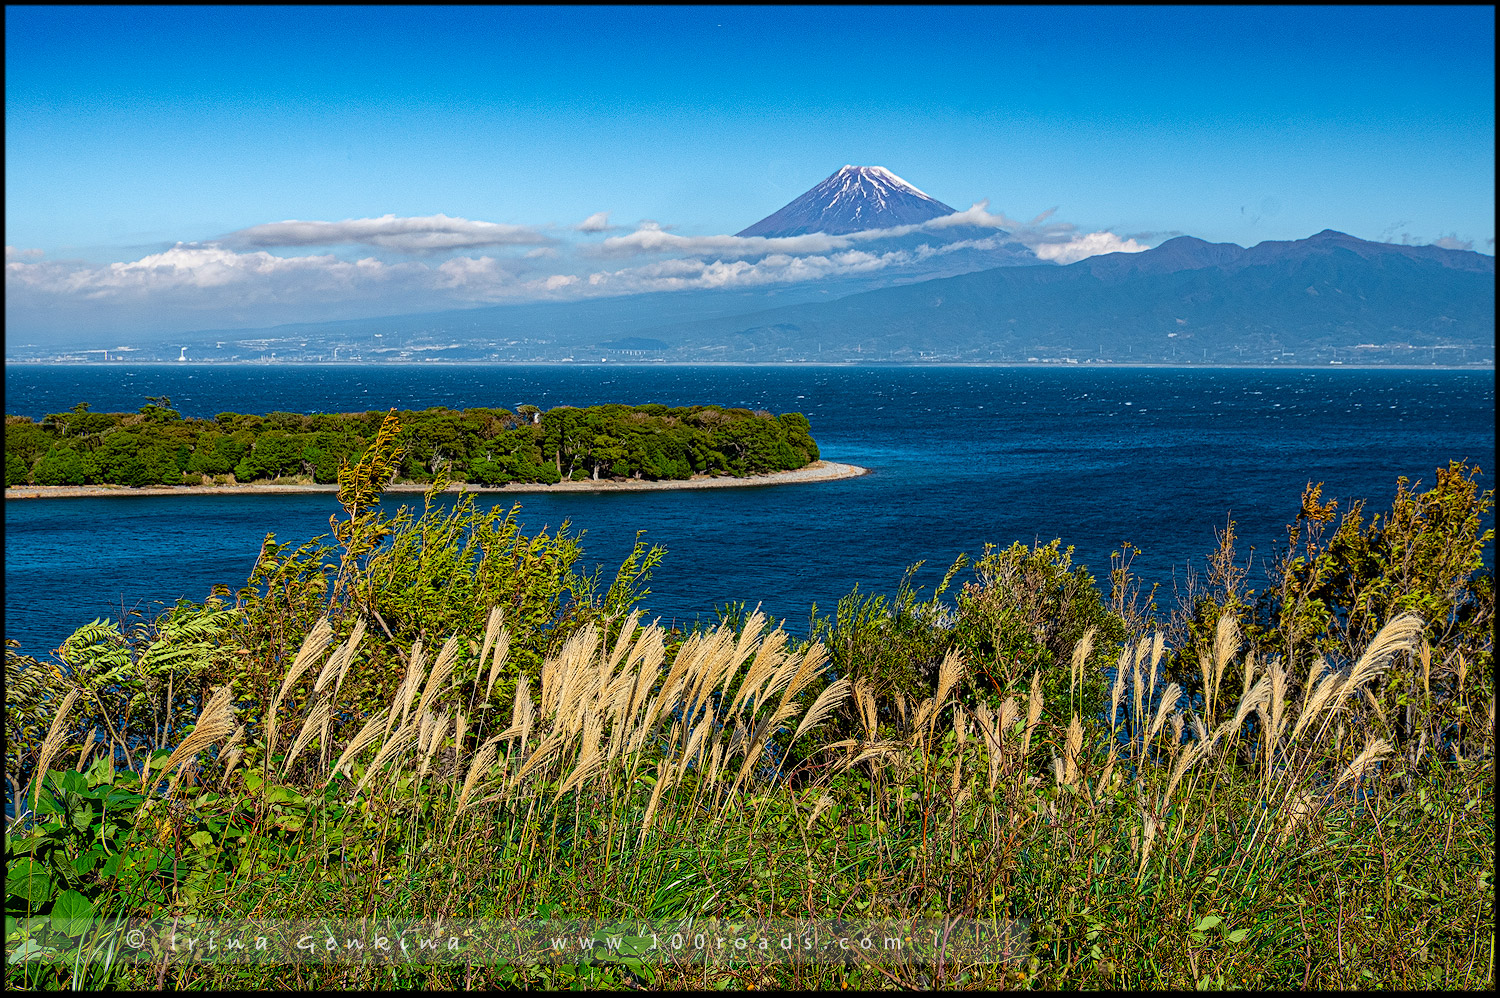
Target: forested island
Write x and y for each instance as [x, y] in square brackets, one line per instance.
[483, 446]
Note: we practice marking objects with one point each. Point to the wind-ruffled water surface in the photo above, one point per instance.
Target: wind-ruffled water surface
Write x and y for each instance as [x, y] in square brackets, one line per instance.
[959, 456]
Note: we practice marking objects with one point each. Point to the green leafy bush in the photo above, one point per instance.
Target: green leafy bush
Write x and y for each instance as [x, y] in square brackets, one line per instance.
[1025, 613]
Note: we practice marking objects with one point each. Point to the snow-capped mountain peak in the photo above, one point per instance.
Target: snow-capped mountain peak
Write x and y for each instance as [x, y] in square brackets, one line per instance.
[880, 177]
[854, 199]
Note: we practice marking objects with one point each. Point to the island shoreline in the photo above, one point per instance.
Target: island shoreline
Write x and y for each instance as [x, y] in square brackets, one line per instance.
[818, 471]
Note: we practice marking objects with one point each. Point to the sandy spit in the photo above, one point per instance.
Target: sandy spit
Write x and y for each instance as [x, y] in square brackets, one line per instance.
[818, 471]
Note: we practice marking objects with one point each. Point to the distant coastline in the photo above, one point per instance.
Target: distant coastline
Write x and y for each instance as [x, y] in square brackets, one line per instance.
[1082, 363]
[818, 471]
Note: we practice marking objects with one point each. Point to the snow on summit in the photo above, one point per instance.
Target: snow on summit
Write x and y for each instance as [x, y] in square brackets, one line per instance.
[852, 200]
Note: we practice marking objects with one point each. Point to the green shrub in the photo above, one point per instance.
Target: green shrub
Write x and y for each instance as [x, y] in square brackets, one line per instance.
[1026, 611]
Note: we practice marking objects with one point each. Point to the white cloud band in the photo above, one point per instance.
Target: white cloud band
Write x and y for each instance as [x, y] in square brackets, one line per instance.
[420, 234]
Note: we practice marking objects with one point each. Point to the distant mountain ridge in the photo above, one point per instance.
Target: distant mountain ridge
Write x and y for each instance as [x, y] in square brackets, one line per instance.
[854, 199]
[1330, 298]
[1189, 253]
[908, 292]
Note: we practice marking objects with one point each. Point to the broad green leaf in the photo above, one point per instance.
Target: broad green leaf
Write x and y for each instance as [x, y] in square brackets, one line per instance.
[72, 913]
[30, 880]
[86, 863]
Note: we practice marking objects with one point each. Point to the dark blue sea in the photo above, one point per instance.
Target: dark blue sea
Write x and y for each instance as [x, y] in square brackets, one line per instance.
[960, 456]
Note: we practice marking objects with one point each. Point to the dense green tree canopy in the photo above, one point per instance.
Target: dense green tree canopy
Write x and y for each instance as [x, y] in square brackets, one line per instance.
[481, 446]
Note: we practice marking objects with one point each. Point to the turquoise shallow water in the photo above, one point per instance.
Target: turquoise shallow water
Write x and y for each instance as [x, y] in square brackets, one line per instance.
[959, 457]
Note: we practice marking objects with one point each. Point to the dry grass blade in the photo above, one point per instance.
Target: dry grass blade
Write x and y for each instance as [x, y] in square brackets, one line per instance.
[823, 804]
[492, 627]
[1276, 720]
[1259, 695]
[215, 721]
[807, 669]
[230, 762]
[715, 761]
[877, 751]
[522, 713]
[960, 727]
[331, 668]
[1226, 645]
[1071, 747]
[767, 660]
[1314, 674]
[310, 726]
[426, 722]
[1247, 675]
[460, 728]
[573, 681]
[833, 694]
[1398, 635]
[593, 730]
[781, 678]
[350, 646]
[864, 699]
[766, 729]
[434, 743]
[312, 646]
[400, 741]
[749, 635]
[676, 678]
[925, 710]
[52, 744]
[646, 657]
[1009, 711]
[1137, 720]
[1118, 689]
[407, 692]
[543, 752]
[502, 652]
[949, 673]
[1375, 748]
[624, 641]
[442, 669]
[483, 761]
[642, 731]
[88, 746]
[716, 664]
[1033, 712]
[662, 769]
[1149, 828]
[235, 741]
[987, 728]
[1081, 652]
[1168, 702]
[367, 736]
[1185, 761]
[1320, 698]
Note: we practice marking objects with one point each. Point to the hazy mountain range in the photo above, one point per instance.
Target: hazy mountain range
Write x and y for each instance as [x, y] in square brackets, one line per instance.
[960, 293]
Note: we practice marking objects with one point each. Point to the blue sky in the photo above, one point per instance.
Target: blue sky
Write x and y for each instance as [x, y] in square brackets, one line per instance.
[148, 149]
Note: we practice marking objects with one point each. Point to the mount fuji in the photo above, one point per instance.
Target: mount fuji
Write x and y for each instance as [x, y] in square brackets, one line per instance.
[854, 199]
